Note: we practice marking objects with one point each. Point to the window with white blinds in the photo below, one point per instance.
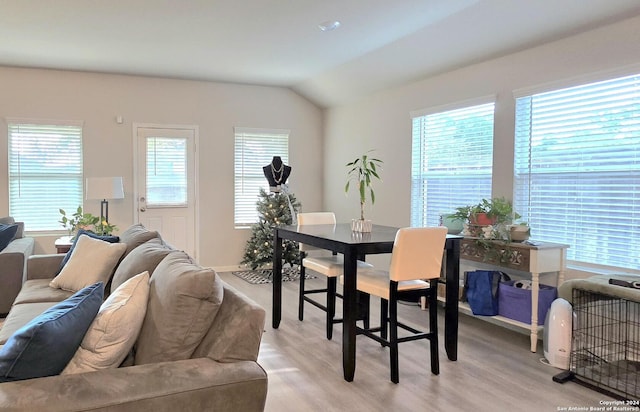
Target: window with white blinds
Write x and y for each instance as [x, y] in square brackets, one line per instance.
[451, 163]
[254, 149]
[577, 169]
[45, 172]
[166, 172]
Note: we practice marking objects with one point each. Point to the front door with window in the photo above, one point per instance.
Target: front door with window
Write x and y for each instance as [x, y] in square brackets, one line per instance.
[165, 184]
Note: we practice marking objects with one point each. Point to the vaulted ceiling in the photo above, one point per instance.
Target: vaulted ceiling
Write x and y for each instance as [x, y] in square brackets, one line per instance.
[379, 44]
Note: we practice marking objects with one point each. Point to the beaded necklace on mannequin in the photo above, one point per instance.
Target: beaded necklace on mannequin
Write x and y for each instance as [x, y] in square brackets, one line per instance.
[274, 172]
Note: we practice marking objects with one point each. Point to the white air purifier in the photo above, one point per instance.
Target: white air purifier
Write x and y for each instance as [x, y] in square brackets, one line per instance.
[557, 334]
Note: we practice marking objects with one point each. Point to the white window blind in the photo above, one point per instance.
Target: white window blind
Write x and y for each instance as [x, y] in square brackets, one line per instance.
[577, 169]
[254, 149]
[45, 172]
[452, 157]
[166, 172]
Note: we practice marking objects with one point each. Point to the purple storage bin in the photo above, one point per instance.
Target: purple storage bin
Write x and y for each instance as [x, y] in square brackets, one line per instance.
[515, 303]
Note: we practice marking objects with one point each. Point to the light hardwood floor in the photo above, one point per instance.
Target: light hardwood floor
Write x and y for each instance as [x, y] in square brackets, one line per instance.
[495, 370]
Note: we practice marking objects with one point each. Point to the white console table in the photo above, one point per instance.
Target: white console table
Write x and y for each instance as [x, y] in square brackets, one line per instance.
[545, 257]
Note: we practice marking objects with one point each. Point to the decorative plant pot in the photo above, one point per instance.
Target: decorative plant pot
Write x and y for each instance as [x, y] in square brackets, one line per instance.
[359, 225]
[519, 233]
[481, 219]
[453, 226]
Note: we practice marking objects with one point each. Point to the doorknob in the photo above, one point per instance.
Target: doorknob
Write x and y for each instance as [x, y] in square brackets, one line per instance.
[142, 209]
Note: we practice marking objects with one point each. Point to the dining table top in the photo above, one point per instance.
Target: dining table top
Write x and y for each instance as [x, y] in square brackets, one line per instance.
[342, 233]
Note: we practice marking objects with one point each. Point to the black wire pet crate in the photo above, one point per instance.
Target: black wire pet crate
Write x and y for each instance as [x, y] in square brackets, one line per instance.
[605, 353]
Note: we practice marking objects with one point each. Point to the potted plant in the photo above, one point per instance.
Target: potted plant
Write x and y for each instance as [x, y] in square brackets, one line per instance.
[362, 171]
[462, 214]
[492, 211]
[486, 212]
[79, 220]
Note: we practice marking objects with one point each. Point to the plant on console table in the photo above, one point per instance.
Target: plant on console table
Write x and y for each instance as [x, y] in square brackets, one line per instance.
[362, 171]
[488, 218]
[80, 220]
[489, 223]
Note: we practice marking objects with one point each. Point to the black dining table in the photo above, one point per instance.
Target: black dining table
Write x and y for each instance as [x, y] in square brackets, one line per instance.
[352, 245]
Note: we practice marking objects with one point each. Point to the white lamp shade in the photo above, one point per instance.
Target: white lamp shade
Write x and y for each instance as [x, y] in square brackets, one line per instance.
[104, 188]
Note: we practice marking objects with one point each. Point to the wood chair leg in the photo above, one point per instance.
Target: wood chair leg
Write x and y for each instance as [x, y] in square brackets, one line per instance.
[384, 318]
[301, 294]
[393, 332]
[433, 329]
[331, 304]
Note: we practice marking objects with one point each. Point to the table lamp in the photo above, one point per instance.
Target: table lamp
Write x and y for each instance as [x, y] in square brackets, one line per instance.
[104, 188]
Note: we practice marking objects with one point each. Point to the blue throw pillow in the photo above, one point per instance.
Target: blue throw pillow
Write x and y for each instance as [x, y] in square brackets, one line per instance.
[82, 232]
[44, 346]
[7, 233]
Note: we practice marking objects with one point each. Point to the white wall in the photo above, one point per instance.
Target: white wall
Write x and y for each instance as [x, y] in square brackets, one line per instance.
[216, 108]
[382, 121]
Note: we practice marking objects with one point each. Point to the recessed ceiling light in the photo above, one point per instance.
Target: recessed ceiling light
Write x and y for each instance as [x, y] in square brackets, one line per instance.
[329, 25]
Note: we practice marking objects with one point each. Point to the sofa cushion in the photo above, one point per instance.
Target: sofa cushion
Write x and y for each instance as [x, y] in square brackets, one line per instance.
[183, 301]
[7, 233]
[135, 235]
[145, 257]
[38, 290]
[44, 346]
[115, 329]
[20, 315]
[82, 232]
[92, 260]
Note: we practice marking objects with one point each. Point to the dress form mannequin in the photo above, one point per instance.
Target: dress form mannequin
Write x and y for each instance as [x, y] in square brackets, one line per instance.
[276, 173]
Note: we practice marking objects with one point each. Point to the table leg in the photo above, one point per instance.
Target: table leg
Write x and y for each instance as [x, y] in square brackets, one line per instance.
[276, 304]
[451, 299]
[535, 287]
[349, 316]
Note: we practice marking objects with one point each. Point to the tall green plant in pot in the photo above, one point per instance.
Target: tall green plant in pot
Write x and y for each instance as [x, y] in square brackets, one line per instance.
[362, 171]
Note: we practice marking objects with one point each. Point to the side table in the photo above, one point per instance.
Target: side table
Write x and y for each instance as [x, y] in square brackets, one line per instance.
[544, 257]
[63, 244]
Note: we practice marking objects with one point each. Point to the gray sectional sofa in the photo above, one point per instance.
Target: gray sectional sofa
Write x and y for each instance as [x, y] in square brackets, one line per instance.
[220, 374]
[13, 259]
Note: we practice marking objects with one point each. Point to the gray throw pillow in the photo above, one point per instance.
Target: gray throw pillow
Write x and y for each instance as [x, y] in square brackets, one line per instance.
[136, 235]
[20, 232]
[144, 258]
[184, 299]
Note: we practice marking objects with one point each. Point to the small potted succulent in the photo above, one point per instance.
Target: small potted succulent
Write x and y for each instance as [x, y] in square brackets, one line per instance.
[362, 171]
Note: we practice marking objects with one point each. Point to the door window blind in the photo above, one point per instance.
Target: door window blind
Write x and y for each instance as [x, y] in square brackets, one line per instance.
[166, 172]
[577, 169]
[45, 172]
[451, 162]
[254, 149]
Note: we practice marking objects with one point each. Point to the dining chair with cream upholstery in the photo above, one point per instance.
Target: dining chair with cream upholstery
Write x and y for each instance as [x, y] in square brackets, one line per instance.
[325, 263]
[416, 262]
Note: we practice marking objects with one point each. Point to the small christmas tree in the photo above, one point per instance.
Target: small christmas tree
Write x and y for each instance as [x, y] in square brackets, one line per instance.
[274, 211]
